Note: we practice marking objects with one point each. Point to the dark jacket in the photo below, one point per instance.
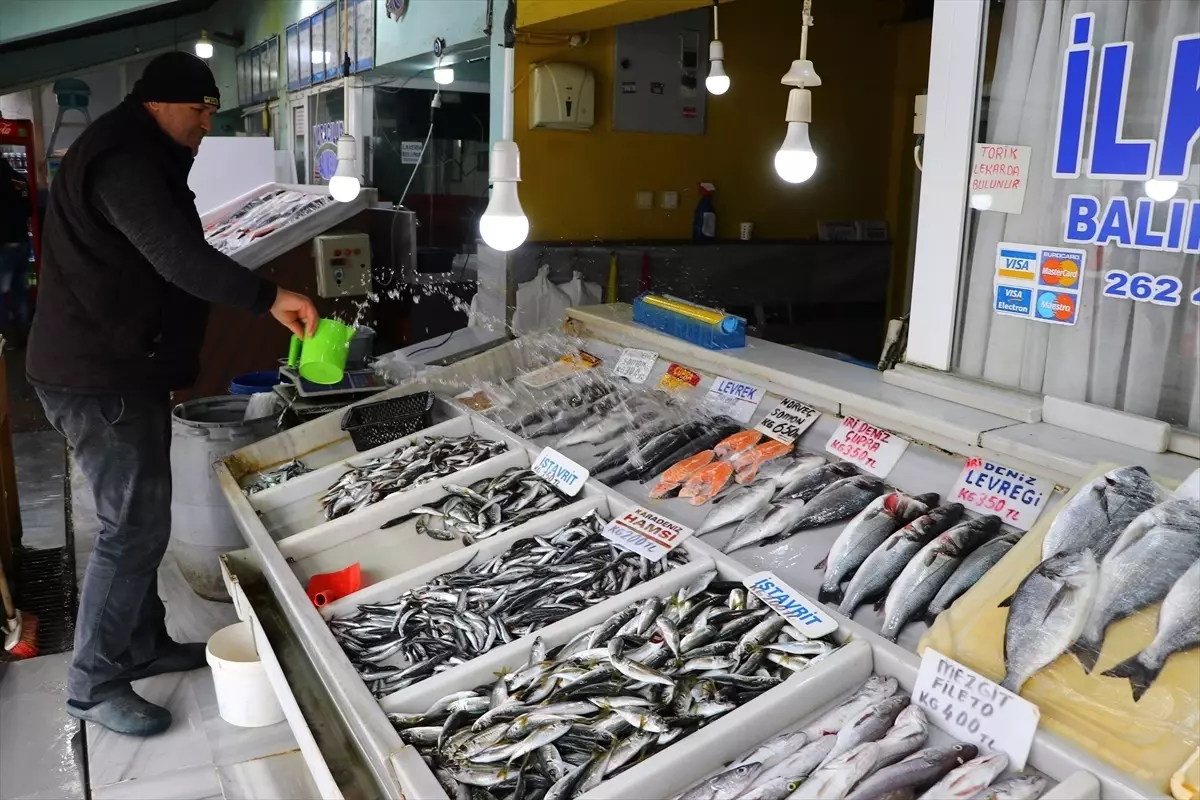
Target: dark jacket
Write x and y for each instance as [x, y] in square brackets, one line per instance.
[127, 276]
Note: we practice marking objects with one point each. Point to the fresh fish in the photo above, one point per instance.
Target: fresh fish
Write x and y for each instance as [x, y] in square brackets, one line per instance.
[796, 471]
[710, 432]
[835, 780]
[1144, 563]
[724, 785]
[920, 769]
[972, 568]
[804, 761]
[1178, 631]
[775, 749]
[922, 577]
[806, 487]
[869, 726]
[633, 462]
[876, 689]
[1099, 512]
[884, 516]
[707, 482]
[677, 475]
[908, 735]
[836, 502]
[963, 783]
[772, 789]
[1047, 613]
[737, 505]
[738, 443]
[275, 476]
[1025, 786]
[607, 428]
[748, 463]
[765, 523]
[888, 560]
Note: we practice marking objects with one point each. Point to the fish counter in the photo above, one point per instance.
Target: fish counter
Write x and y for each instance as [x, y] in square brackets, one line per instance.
[606, 574]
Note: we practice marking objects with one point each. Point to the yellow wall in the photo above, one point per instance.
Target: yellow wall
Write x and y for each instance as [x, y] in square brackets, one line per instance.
[584, 15]
[582, 185]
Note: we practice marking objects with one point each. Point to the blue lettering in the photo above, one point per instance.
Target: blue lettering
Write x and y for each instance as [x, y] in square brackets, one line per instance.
[1176, 219]
[1113, 156]
[1082, 211]
[1116, 225]
[1193, 237]
[1073, 96]
[1028, 497]
[1144, 237]
[1181, 112]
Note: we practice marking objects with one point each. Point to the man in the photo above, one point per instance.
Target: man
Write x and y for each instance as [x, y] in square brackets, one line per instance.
[127, 278]
[14, 252]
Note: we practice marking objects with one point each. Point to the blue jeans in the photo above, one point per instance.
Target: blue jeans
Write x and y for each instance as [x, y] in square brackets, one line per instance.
[122, 445]
[14, 291]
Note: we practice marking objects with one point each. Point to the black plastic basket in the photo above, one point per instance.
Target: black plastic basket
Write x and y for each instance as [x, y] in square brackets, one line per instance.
[374, 424]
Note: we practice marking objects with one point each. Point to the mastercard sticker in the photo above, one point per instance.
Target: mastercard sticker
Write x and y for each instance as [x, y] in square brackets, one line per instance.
[1060, 268]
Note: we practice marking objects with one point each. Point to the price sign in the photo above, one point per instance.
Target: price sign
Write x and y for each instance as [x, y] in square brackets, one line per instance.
[872, 449]
[973, 709]
[635, 365]
[733, 399]
[788, 420]
[643, 532]
[554, 372]
[678, 378]
[803, 614]
[992, 488]
[560, 471]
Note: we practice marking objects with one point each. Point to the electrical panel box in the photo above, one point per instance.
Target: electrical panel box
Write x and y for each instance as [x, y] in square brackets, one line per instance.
[343, 264]
[563, 97]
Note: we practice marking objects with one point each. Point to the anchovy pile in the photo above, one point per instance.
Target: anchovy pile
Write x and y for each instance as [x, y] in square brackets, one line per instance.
[274, 477]
[486, 507]
[647, 676]
[417, 463]
[462, 614]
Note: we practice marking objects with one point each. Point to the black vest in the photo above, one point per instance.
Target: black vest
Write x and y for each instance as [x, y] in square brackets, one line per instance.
[106, 321]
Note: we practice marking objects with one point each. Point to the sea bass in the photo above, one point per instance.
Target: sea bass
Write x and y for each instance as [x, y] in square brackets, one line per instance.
[765, 523]
[888, 560]
[1142, 566]
[793, 471]
[922, 577]
[920, 769]
[737, 505]
[1096, 515]
[963, 783]
[839, 500]
[1178, 631]
[972, 568]
[806, 487]
[869, 529]
[1047, 613]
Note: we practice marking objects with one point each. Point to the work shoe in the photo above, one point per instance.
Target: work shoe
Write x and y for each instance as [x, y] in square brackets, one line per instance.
[179, 658]
[124, 712]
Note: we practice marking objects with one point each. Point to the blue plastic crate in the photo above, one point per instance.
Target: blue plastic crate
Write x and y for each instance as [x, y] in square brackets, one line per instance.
[727, 334]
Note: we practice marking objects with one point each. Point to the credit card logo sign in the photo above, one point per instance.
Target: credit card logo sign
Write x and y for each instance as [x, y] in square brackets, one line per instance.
[1059, 269]
[1056, 307]
[1018, 265]
[1014, 300]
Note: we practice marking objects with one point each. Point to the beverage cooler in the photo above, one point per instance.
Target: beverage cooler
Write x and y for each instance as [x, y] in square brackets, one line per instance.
[18, 149]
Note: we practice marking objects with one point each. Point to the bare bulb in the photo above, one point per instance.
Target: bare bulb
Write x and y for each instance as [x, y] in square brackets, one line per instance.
[443, 75]
[717, 81]
[1161, 191]
[796, 162]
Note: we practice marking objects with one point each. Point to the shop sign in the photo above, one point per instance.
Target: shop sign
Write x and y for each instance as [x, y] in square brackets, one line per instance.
[999, 175]
[802, 613]
[325, 159]
[1142, 287]
[678, 378]
[410, 152]
[788, 420]
[1120, 220]
[560, 471]
[733, 399]
[992, 488]
[1038, 283]
[649, 535]
[866, 446]
[635, 365]
[973, 709]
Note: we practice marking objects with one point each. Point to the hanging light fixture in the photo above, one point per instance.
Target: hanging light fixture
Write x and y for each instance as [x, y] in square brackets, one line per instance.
[441, 75]
[204, 48]
[717, 81]
[504, 225]
[796, 161]
[345, 185]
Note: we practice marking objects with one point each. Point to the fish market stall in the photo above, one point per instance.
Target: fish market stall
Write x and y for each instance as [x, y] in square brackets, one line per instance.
[773, 487]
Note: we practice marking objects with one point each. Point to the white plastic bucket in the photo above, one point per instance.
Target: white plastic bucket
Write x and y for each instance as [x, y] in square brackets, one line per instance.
[244, 695]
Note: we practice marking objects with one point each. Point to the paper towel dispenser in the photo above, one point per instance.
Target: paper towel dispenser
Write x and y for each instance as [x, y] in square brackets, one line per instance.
[563, 97]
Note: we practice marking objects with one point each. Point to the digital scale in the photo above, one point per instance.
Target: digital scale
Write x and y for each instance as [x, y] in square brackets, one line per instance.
[355, 381]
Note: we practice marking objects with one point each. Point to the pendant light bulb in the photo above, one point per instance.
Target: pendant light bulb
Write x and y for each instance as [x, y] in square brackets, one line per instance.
[443, 75]
[204, 48]
[1161, 191]
[717, 81]
[344, 186]
[796, 162]
[504, 225]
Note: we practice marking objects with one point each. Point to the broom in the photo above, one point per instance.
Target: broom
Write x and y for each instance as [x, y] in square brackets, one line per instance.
[20, 630]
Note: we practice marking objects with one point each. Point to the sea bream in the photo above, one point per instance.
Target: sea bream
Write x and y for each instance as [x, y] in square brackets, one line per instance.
[1047, 613]
[888, 560]
[1142, 566]
[972, 568]
[1099, 512]
[929, 569]
[869, 529]
[1178, 631]
[836, 502]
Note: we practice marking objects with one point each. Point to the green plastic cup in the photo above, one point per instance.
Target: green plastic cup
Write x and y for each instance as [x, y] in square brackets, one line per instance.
[321, 358]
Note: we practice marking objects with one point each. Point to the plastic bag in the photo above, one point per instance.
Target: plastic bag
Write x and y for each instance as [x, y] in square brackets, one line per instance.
[581, 292]
[540, 304]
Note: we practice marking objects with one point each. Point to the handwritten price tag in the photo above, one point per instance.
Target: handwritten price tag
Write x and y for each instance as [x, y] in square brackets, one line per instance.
[807, 617]
[972, 709]
[788, 420]
[872, 449]
[991, 488]
[733, 399]
[643, 532]
[560, 471]
[635, 365]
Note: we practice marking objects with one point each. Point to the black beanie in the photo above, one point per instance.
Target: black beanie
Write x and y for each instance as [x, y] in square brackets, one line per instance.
[177, 77]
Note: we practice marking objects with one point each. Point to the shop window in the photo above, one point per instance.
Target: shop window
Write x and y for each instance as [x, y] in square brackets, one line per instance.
[328, 123]
[1085, 288]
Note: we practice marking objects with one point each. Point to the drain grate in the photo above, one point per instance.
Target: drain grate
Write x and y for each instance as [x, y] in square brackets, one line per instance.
[46, 588]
